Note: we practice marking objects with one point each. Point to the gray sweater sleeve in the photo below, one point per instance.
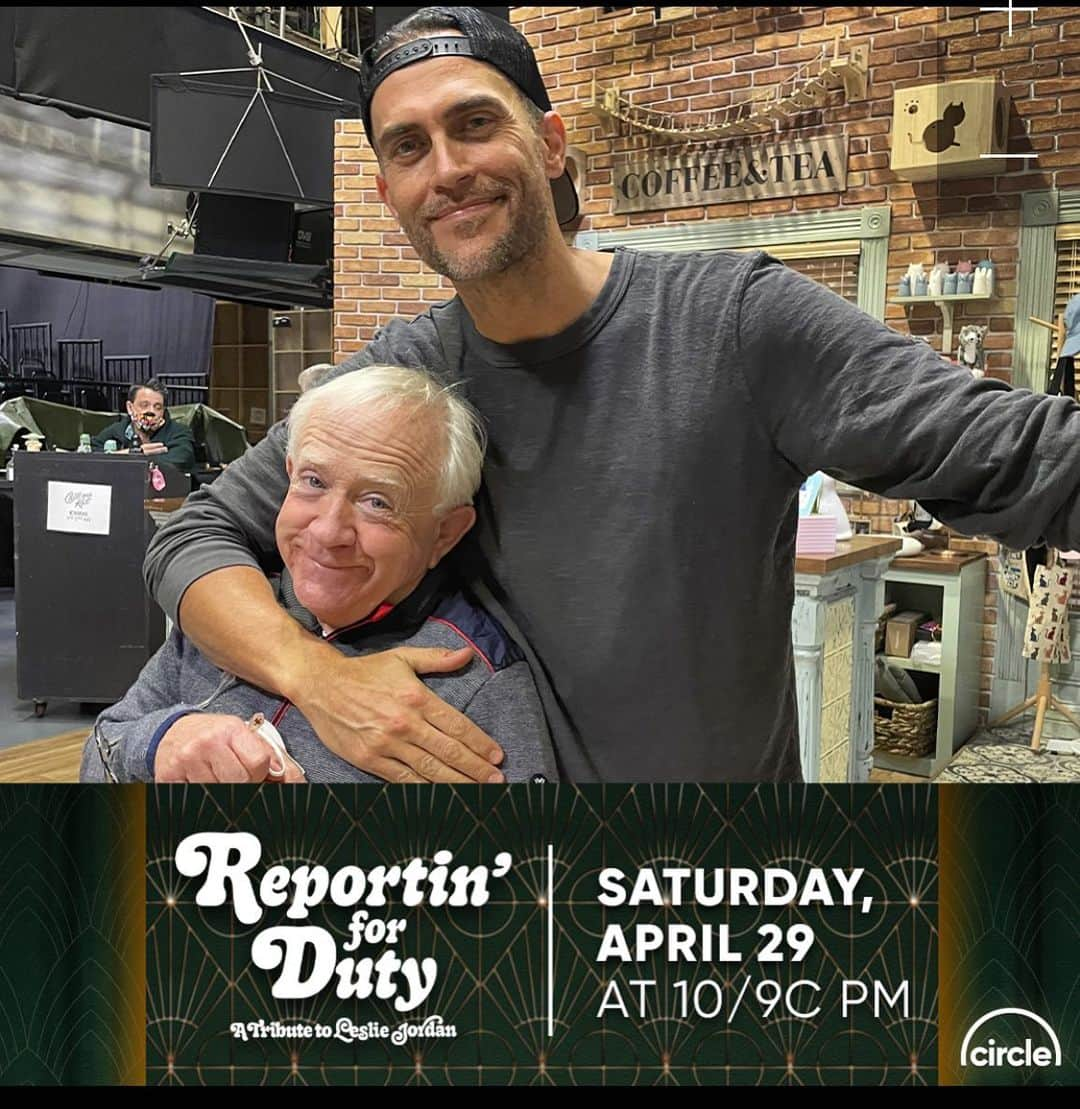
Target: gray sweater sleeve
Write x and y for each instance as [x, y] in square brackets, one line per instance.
[838, 391]
[507, 707]
[128, 727]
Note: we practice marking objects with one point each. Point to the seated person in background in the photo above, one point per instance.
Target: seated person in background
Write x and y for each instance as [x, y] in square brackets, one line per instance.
[149, 428]
[382, 468]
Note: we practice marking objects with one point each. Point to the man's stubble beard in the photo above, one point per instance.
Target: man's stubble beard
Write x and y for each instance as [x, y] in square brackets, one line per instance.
[520, 240]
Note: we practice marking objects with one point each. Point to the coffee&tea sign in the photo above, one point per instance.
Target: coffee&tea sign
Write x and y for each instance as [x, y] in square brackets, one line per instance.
[758, 171]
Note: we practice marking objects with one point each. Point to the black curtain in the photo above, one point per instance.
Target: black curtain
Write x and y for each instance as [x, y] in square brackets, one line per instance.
[174, 326]
[7, 49]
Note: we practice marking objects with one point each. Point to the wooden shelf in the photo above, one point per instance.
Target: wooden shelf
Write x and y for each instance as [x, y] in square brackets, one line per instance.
[306, 342]
[914, 664]
[945, 307]
[859, 548]
[937, 562]
[939, 299]
[240, 366]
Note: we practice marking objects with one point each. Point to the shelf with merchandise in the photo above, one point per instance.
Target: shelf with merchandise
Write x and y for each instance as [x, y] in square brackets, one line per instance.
[914, 664]
[945, 307]
[951, 592]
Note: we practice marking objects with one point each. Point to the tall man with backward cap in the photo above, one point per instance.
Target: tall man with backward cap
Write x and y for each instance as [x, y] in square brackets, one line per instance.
[651, 417]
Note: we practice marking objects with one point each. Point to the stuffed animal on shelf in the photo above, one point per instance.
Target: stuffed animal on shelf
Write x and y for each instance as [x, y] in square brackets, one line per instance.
[917, 531]
[971, 353]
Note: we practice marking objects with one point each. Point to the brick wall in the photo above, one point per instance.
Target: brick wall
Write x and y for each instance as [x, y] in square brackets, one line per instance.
[719, 58]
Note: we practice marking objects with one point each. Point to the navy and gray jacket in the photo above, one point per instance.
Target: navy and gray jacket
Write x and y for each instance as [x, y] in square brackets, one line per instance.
[495, 690]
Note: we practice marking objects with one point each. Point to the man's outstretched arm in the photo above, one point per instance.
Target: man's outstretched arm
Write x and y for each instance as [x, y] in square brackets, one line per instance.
[839, 391]
[205, 567]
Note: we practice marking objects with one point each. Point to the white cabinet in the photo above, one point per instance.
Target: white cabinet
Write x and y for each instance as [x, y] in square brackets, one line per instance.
[952, 590]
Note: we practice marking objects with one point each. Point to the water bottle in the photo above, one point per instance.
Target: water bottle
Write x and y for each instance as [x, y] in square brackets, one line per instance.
[84, 446]
[110, 446]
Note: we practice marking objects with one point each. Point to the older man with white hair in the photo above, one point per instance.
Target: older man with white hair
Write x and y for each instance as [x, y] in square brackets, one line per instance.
[382, 468]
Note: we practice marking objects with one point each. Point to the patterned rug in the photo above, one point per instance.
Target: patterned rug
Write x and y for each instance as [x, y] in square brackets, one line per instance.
[1005, 755]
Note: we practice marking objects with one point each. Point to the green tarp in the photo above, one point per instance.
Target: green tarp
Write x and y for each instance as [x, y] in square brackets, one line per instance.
[217, 438]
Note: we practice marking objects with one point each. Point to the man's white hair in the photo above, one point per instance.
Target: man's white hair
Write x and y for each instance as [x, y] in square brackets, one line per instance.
[391, 388]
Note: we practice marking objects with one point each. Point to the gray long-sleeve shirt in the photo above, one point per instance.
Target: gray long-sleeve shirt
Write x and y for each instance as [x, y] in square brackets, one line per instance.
[495, 690]
[638, 512]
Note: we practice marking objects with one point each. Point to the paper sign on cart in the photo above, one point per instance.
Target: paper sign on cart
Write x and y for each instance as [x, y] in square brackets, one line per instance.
[78, 507]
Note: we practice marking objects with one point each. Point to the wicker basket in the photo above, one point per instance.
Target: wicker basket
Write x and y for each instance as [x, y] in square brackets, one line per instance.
[905, 729]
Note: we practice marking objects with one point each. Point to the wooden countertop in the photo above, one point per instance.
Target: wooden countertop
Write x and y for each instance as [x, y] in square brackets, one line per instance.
[164, 504]
[861, 548]
[938, 562]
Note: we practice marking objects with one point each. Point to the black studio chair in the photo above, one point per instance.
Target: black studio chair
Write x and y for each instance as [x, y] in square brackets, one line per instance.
[193, 388]
[32, 359]
[121, 371]
[9, 387]
[31, 349]
[5, 344]
[82, 372]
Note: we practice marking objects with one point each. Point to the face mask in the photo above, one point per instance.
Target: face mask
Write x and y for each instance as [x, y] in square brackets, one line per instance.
[148, 422]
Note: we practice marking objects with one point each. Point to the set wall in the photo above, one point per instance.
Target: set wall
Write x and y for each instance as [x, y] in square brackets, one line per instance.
[720, 57]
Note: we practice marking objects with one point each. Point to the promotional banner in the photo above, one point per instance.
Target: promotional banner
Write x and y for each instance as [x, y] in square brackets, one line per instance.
[607, 935]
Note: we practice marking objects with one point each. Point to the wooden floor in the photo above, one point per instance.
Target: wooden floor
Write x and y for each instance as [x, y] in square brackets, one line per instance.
[57, 760]
[44, 760]
[895, 776]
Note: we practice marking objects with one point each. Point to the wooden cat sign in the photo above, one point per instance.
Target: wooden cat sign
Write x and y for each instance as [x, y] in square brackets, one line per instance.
[943, 130]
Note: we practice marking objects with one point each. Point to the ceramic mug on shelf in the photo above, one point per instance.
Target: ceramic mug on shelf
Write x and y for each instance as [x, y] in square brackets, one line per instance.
[988, 267]
[937, 279]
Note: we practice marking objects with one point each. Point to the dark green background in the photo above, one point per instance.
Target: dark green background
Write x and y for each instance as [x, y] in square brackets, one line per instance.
[1011, 923]
[71, 934]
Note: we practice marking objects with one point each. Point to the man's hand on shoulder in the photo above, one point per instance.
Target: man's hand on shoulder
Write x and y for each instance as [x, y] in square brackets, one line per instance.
[209, 747]
[376, 713]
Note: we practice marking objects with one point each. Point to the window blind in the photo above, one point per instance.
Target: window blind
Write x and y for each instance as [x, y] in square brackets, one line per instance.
[834, 265]
[1067, 278]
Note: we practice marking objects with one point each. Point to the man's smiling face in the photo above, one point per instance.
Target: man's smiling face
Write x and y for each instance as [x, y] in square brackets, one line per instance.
[464, 168]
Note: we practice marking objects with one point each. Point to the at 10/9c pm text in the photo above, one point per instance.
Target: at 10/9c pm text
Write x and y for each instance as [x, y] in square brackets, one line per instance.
[708, 999]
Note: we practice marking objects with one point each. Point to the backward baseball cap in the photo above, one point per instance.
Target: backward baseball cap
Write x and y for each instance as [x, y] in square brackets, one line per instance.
[487, 39]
